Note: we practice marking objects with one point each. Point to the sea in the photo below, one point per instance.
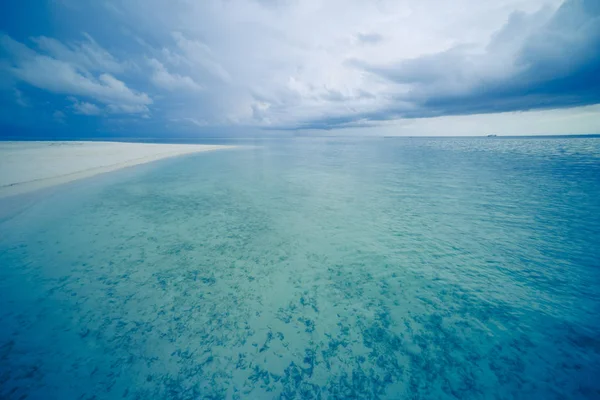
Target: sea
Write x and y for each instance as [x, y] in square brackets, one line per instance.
[311, 268]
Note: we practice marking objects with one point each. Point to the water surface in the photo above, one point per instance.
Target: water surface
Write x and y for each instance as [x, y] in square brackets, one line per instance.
[312, 268]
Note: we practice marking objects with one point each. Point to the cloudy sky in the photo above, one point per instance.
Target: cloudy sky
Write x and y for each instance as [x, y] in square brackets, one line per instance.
[229, 67]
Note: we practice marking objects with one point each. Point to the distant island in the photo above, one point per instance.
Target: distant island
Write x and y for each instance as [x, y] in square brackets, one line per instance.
[492, 135]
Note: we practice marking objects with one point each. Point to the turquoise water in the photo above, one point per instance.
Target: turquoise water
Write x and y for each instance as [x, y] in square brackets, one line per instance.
[312, 268]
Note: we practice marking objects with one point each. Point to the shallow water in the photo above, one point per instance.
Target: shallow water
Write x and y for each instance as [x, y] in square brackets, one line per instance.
[312, 268]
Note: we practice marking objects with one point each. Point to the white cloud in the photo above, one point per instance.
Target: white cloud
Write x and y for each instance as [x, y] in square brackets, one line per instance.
[198, 54]
[283, 63]
[84, 108]
[69, 77]
[20, 99]
[581, 120]
[128, 109]
[173, 82]
[290, 64]
[193, 121]
[84, 55]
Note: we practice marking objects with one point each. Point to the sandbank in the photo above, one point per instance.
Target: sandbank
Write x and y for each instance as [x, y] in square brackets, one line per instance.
[29, 166]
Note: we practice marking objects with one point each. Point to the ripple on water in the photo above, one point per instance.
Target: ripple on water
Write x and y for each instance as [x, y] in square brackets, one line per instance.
[410, 268]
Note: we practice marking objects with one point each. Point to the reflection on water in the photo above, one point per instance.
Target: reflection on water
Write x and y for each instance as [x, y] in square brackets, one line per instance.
[312, 268]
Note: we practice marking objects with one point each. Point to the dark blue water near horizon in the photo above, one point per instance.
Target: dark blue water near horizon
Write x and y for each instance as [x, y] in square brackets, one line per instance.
[304, 268]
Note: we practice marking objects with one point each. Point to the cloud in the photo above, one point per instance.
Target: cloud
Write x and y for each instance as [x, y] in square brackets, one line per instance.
[369, 38]
[163, 79]
[85, 55]
[538, 61]
[71, 77]
[193, 121]
[84, 108]
[128, 109]
[279, 64]
[20, 99]
[200, 54]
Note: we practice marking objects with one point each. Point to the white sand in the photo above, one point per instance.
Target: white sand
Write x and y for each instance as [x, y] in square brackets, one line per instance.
[28, 166]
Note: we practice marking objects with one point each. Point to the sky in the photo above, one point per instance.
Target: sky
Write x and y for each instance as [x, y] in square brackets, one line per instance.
[183, 68]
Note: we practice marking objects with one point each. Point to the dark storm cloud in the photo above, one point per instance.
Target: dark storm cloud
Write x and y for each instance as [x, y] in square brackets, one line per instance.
[555, 65]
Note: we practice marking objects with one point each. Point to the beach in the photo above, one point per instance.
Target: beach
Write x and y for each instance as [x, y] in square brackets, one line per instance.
[29, 166]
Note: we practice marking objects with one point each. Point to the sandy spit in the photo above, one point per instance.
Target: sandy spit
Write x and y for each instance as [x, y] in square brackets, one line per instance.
[29, 166]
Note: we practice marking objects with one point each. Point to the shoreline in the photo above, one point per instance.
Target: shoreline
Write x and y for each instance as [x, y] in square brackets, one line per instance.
[27, 166]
